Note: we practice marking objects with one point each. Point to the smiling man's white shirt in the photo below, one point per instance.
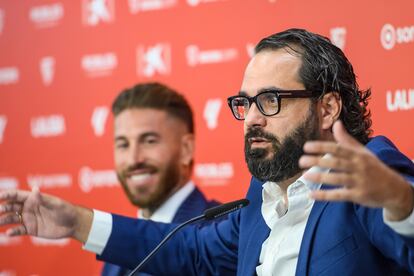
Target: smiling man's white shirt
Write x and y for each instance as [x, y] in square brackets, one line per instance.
[102, 222]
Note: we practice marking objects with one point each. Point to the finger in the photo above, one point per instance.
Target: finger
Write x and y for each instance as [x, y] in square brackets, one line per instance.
[35, 189]
[332, 195]
[11, 207]
[16, 231]
[324, 147]
[342, 136]
[14, 195]
[10, 218]
[36, 193]
[330, 178]
[326, 162]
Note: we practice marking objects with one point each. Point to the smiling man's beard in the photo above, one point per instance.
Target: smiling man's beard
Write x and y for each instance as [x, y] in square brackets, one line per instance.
[168, 181]
[281, 161]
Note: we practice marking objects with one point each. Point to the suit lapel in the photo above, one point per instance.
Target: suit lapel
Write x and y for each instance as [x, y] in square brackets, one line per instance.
[192, 206]
[308, 235]
[258, 233]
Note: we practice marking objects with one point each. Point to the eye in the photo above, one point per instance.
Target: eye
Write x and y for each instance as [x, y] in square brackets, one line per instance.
[151, 140]
[121, 145]
[269, 99]
[239, 101]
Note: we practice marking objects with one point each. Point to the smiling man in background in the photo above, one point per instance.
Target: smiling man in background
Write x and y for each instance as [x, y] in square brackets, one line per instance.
[153, 153]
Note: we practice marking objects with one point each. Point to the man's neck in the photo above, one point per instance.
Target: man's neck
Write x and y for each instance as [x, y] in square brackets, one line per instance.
[284, 185]
[149, 211]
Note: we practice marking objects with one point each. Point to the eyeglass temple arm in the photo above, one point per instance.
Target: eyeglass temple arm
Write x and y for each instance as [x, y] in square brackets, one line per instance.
[297, 94]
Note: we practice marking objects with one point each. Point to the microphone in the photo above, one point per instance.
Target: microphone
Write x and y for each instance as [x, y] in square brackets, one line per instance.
[209, 214]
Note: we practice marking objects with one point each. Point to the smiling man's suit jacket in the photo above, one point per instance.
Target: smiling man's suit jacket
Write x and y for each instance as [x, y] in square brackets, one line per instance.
[192, 206]
[340, 238]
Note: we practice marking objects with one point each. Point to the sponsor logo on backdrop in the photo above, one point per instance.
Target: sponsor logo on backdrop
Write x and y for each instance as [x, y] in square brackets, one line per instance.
[155, 59]
[46, 242]
[211, 112]
[47, 70]
[9, 75]
[3, 123]
[48, 126]
[6, 240]
[98, 65]
[194, 3]
[136, 6]
[1, 21]
[98, 11]
[8, 183]
[98, 120]
[400, 99]
[46, 15]
[250, 49]
[390, 35]
[90, 179]
[195, 56]
[214, 174]
[50, 181]
[338, 37]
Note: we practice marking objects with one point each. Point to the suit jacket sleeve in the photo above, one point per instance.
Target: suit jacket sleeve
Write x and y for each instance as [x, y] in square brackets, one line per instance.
[400, 248]
[194, 250]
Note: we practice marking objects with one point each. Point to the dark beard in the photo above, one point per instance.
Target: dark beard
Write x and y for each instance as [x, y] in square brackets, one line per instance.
[167, 183]
[284, 158]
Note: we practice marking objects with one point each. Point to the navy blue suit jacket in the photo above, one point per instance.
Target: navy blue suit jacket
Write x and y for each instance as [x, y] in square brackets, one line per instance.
[340, 238]
[192, 206]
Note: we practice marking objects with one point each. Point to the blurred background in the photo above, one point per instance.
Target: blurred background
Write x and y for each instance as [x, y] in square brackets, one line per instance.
[62, 63]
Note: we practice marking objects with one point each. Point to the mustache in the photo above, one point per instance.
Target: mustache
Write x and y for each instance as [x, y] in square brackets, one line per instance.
[258, 132]
[138, 166]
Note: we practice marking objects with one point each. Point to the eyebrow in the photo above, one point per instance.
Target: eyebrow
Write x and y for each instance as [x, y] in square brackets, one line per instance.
[270, 88]
[141, 137]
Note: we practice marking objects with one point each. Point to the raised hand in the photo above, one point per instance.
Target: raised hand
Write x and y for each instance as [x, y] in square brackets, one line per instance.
[41, 215]
[362, 178]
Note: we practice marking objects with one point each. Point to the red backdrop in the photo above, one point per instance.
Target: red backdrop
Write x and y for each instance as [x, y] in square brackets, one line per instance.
[62, 62]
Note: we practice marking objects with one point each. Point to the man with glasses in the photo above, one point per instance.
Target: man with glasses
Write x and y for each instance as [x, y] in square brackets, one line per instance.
[325, 198]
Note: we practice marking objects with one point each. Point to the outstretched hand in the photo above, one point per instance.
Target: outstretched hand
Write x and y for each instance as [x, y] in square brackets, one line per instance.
[362, 178]
[41, 215]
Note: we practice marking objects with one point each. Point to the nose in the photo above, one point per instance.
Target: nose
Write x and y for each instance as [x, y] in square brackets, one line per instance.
[254, 118]
[135, 155]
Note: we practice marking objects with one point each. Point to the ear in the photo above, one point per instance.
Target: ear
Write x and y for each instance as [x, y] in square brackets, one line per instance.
[187, 149]
[330, 108]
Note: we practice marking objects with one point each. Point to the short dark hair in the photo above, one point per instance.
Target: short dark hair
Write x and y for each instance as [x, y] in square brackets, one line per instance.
[326, 69]
[158, 96]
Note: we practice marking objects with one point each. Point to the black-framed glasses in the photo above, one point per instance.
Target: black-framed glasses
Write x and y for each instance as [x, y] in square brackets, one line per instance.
[268, 101]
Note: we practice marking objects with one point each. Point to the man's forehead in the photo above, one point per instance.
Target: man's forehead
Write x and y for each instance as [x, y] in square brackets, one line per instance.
[272, 69]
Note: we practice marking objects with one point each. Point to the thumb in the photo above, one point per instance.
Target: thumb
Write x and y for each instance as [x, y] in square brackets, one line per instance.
[36, 192]
[342, 136]
[35, 189]
[34, 200]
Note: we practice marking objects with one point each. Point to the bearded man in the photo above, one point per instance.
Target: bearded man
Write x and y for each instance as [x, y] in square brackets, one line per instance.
[325, 197]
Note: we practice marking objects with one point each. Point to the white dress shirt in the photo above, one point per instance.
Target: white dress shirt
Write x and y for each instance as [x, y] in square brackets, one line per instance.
[287, 222]
[102, 222]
